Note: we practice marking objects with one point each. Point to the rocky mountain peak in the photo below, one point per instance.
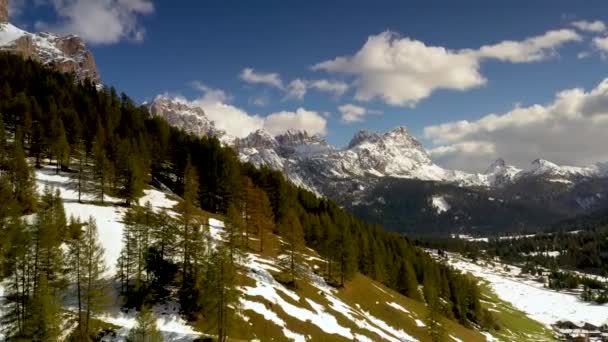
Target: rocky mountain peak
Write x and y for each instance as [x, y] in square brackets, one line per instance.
[3, 11]
[364, 136]
[403, 137]
[298, 138]
[259, 139]
[191, 119]
[497, 165]
[65, 54]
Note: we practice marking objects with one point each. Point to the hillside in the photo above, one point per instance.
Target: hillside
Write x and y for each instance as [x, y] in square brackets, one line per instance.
[99, 153]
[363, 310]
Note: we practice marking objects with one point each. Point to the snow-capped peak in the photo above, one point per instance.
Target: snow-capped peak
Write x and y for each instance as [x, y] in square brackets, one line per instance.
[364, 136]
[497, 165]
[260, 139]
[65, 54]
[541, 167]
[297, 138]
[191, 119]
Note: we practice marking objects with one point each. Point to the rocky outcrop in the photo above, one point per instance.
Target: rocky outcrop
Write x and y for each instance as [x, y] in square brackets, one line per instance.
[3, 11]
[66, 54]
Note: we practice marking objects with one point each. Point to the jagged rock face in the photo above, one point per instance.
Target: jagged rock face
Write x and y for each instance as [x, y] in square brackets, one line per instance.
[191, 119]
[259, 139]
[3, 11]
[65, 54]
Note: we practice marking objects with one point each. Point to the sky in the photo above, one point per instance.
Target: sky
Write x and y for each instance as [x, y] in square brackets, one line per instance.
[472, 80]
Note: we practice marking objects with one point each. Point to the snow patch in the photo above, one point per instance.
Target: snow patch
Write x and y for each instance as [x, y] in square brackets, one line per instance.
[440, 204]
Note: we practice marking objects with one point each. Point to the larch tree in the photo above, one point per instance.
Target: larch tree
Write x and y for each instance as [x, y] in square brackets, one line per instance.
[293, 244]
[145, 329]
[93, 286]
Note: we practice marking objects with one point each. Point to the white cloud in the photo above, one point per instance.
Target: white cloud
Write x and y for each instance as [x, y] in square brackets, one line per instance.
[570, 130]
[237, 122]
[583, 55]
[334, 87]
[100, 21]
[601, 43]
[249, 75]
[302, 119]
[298, 88]
[590, 26]
[533, 49]
[403, 71]
[352, 113]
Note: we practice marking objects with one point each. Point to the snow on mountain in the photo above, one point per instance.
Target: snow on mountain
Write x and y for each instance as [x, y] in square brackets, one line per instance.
[440, 204]
[65, 54]
[499, 173]
[191, 119]
[310, 162]
[541, 167]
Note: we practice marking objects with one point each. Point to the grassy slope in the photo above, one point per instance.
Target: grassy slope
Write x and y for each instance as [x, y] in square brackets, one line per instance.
[369, 296]
[361, 293]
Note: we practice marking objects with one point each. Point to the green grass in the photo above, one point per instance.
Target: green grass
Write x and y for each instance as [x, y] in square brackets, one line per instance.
[514, 324]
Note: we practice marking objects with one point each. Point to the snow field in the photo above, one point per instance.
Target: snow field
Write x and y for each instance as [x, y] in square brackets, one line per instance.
[541, 304]
[110, 227]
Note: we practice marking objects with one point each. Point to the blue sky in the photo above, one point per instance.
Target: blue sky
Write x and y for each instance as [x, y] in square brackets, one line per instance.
[156, 47]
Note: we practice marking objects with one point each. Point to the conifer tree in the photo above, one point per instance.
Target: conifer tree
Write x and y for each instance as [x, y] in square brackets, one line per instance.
[234, 227]
[187, 211]
[83, 176]
[102, 164]
[221, 294]
[291, 232]
[346, 255]
[145, 329]
[434, 322]
[21, 178]
[89, 268]
[406, 282]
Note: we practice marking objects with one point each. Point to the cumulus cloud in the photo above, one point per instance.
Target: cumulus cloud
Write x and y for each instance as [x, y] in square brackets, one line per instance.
[570, 130]
[302, 119]
[298, 88]
[352, 113]
[249, 75]
[402, 71]
[601, 43]
[333, 87]
[533, 49]
[590, 26]
[100, 21]
[238, 122]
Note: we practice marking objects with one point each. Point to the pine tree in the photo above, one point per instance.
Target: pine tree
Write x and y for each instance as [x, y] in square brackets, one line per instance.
[346, 255]
[293, 244]
[406, 282]
[21, 178]
[187, 210]
[102, 164]
[434, 322]
[92, 287]
[221, 294]
[234, 227]
[145, 330]
[83, 176]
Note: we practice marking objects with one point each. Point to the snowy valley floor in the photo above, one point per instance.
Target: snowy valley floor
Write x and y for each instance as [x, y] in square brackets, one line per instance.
[542, 304]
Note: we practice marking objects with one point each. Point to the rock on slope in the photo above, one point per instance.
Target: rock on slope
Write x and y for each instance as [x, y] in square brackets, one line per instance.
[65, 54]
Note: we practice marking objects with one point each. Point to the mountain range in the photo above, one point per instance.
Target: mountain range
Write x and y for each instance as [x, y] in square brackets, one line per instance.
[389, 178]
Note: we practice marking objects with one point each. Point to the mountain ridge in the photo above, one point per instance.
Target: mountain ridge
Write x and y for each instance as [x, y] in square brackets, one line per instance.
[67, 54]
